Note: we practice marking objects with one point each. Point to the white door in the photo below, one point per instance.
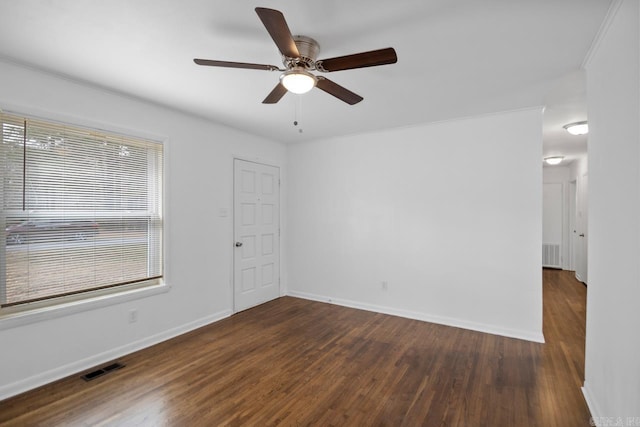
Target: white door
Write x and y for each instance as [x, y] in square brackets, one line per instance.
[581, 226]
[256, 213]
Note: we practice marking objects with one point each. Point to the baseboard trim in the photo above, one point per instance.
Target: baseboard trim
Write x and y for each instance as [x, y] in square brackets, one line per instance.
[78, 366]
[591, 404]
[425, 317]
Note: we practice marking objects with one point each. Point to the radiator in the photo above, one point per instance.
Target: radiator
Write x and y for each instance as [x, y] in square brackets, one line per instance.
[551, 255]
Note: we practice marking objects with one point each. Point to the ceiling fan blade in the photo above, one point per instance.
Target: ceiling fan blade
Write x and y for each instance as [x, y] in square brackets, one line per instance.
[276, 94]
[338, 91]
[358, 60]
[276, 25]
[213, 63]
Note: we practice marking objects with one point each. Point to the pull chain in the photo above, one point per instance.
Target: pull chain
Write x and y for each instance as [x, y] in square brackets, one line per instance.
[297, 112]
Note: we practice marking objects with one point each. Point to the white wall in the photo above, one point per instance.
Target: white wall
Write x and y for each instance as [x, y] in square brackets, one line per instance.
[555, 213]
[552, 231]
[578, 168]
[612, 372]
[448, 214]
[199, 243]
[559, 175]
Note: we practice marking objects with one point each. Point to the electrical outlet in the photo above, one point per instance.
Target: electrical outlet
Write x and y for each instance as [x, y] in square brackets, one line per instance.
[133, 316]
[385, 285]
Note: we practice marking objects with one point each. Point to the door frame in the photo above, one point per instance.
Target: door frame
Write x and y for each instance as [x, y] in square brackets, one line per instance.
[582, 225]
[232, 279]
[573, 234]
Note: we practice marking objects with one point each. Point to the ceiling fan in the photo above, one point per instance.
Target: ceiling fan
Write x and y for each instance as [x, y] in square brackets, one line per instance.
[299, 55]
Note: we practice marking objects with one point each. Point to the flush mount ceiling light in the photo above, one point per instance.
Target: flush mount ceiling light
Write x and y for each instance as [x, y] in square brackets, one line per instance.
[577, 128]
[298, 80]
[554, 160]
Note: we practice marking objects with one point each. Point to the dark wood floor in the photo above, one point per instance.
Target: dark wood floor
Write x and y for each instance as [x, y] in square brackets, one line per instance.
[295, 362]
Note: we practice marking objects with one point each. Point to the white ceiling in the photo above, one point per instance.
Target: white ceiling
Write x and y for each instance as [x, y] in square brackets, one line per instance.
[456, 58]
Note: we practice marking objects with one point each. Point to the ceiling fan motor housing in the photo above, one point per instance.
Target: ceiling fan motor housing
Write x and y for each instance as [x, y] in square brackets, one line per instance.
[308, 49]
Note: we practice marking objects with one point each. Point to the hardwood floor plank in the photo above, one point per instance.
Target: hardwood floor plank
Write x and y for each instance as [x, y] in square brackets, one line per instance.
[297, 362]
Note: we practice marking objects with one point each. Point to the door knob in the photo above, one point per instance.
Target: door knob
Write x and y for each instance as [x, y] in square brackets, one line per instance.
[581, 235]
[238, 244]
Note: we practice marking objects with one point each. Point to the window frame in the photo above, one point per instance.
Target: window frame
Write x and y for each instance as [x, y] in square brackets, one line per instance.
[30, 312]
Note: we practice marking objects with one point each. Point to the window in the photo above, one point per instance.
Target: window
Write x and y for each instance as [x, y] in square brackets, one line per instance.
[81, 211]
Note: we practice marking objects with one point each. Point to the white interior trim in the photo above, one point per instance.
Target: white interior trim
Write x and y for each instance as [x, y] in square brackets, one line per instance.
[602, 31]
[591, 403]
[425, 317]
[26, 317]
[12, 389]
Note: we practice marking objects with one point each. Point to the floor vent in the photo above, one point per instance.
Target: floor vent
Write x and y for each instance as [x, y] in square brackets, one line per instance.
[102, 371]
[551, 255]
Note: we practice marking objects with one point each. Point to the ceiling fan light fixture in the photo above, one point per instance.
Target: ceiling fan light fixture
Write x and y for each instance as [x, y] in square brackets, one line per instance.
[577, 128]
[554, 160]
[298, 80]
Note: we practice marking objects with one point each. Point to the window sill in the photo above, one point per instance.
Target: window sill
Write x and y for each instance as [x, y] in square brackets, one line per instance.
[12, 320]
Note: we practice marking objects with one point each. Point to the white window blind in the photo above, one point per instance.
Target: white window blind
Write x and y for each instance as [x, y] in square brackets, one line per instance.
[81, 210]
